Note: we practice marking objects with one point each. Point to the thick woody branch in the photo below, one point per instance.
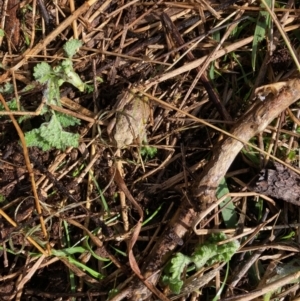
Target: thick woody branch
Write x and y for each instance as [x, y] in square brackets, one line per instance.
[277, 98]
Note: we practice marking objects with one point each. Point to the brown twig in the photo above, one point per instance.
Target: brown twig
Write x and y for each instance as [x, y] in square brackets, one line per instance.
[30, 171]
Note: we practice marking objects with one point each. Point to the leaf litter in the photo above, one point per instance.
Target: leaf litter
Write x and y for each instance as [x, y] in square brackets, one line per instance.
[94, 198]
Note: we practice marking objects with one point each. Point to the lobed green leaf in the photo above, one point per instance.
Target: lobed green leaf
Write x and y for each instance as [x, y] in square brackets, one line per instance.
[42, 72]
[51, 135]
[71, 47]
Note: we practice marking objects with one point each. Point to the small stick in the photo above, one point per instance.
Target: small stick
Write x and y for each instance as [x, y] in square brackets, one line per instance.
[44, 12]
[31, 175]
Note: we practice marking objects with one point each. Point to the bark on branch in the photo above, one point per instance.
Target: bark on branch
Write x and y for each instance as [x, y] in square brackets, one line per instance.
[277, 98]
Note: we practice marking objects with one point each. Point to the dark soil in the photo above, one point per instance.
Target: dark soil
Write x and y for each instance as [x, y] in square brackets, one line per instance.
[67, 193]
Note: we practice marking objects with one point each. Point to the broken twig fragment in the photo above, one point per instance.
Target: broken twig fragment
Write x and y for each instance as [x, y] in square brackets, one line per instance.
[278, 97]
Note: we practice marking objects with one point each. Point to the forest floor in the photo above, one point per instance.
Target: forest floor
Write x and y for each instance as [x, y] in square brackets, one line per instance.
[149, 150]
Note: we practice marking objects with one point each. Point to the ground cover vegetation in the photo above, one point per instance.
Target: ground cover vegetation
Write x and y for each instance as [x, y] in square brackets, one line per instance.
[149, 150]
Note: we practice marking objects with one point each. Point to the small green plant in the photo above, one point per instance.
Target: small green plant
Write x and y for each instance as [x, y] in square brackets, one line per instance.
[51, 134]
[148, 152]
[12, 105]
[6, 88]
[206, 254]
[113, 292]
[2, 198]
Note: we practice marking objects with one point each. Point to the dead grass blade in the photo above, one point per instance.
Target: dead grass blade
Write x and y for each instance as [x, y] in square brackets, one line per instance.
[30, 171]
[132, 261]
[28, 276]
[266, 289]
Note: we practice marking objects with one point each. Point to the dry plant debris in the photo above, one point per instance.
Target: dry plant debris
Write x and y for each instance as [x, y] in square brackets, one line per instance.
[182, 110]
